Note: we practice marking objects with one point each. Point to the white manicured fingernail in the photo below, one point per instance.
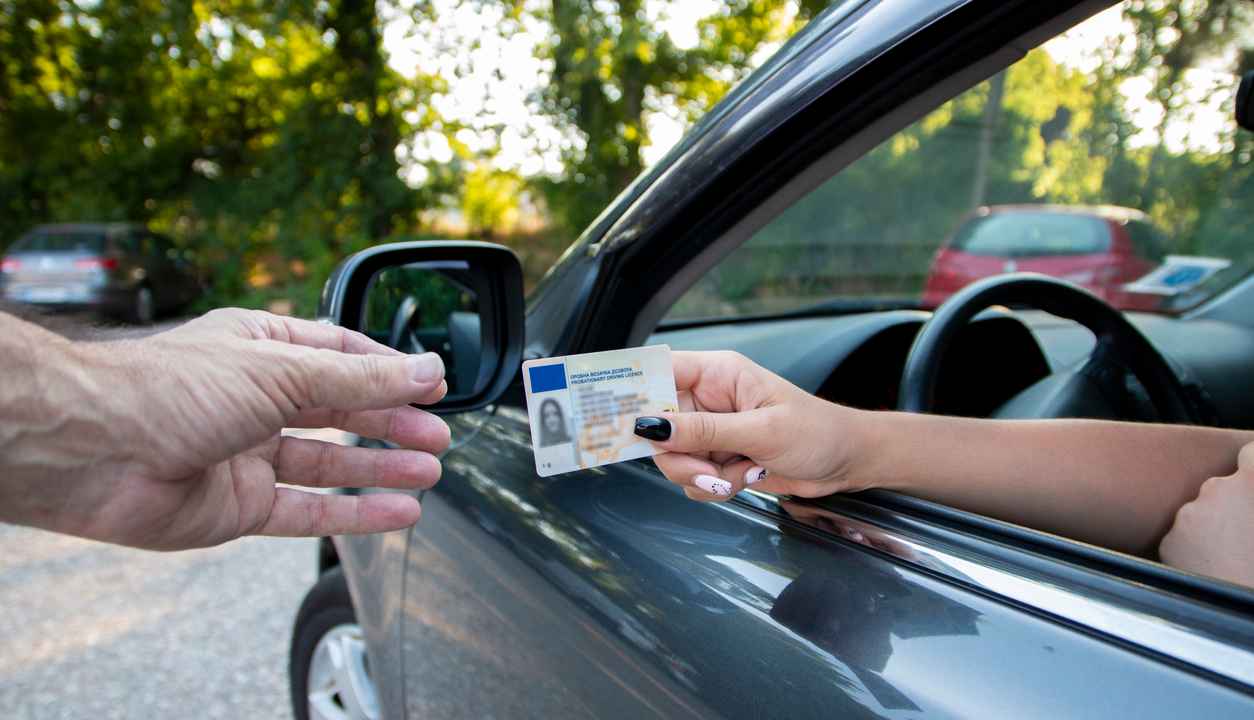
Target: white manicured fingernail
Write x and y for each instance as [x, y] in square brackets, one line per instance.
[426, 368]
[713, 485]
[755, 474]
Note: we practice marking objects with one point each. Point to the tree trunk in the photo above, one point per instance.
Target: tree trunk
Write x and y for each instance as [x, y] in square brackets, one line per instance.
[988, 132]
[359, 45]
[633, 85]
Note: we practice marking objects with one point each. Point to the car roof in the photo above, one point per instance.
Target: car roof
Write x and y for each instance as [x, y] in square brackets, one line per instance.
[1106, 212]
[109, 228]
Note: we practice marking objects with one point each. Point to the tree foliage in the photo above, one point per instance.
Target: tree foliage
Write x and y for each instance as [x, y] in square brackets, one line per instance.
[490, 200]
[1060, 135]
[611, 67]
[266, 135]
[263, 133]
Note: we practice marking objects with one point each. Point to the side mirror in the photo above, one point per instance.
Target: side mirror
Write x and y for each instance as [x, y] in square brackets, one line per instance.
[461, 300]
[1245, 101]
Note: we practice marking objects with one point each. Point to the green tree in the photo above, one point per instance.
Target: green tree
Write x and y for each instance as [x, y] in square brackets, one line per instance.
[611, 67]
[1169, 39]
[263, 134]
[490, 200]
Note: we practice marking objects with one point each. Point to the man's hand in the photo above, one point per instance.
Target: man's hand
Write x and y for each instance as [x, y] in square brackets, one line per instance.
[173, 441]
[1214, 534]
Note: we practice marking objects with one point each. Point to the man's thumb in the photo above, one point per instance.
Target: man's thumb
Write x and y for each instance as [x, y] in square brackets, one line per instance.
[343, 381]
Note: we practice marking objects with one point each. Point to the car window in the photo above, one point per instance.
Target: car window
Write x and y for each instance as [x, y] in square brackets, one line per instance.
[126, 243]
[61, 242]
[1032, 234]
[1031, 170]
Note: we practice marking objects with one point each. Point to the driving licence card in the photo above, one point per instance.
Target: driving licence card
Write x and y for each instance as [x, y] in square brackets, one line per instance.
[583, 408]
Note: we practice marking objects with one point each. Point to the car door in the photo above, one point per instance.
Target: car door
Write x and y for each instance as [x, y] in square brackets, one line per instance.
[607, 593]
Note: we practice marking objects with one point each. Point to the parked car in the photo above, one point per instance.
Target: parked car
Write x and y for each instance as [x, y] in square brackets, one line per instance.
[1101, 248]
[608, 594]
[119, 270]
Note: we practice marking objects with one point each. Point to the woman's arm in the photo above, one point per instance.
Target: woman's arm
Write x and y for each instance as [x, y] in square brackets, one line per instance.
[1113, 484]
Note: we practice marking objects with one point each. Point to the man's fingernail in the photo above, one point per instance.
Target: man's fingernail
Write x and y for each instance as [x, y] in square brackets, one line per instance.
[653, 428]
[755, 474]
[713, 485]
[426, 368]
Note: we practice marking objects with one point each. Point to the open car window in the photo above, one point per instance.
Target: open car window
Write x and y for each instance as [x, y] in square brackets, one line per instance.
[1097, 158]
[1087, 160]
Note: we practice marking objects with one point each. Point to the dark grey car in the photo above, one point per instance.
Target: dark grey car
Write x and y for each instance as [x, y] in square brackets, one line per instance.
[120, 270]
[607, 593]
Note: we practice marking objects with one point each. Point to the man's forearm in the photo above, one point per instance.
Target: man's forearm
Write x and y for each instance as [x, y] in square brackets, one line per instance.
[1113, 484]
[51, 432]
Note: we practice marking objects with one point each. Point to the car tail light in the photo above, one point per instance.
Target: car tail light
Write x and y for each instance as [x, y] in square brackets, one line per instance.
[9, 265]
[96, 263]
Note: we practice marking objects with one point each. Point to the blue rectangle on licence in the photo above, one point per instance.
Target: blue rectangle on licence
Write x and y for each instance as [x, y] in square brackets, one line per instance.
[547, 377]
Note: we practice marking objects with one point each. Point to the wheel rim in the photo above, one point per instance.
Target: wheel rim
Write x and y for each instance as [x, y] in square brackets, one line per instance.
[143, 305]
[339, 685]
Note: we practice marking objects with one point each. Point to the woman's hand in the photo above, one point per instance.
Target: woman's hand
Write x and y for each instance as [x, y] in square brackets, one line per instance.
[173, 441]
[741, 424]
[1214, 534]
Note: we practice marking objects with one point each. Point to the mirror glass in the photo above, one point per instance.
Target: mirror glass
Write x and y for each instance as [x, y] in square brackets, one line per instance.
[431, 307]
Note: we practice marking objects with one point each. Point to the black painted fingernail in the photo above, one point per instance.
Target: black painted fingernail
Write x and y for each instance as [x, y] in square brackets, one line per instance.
[653, 428]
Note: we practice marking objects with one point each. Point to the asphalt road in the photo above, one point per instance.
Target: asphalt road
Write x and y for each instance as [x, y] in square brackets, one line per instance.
[89, 630]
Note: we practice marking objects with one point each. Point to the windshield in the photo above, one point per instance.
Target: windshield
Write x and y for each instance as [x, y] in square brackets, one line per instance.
[1108, 157]
[61, 242]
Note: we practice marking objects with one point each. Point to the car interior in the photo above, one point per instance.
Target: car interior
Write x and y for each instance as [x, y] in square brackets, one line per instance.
[819, 283]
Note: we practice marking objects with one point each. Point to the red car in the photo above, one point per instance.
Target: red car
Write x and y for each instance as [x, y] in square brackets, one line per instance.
[1100, 248]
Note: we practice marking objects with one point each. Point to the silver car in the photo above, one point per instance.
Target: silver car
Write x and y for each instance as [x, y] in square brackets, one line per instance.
[119, 270]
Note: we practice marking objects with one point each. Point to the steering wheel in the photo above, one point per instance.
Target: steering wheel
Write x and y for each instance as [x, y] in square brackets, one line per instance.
[405, 321]
[1098, 388]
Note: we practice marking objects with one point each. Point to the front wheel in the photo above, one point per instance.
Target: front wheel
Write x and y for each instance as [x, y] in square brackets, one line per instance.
[328, 669]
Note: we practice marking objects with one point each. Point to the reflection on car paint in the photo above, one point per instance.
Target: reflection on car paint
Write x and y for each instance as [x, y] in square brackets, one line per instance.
[607, 593]
[1190, 644]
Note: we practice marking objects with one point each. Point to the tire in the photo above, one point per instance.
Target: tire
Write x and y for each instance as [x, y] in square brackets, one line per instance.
[143, 307]
[327, 619]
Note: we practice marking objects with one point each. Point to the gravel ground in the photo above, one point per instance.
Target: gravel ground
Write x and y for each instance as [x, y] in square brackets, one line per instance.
[84, 326]
[98, 631]
[89, 630]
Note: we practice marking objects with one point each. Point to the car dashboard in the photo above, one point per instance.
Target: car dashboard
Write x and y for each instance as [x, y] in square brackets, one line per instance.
[857, 360]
